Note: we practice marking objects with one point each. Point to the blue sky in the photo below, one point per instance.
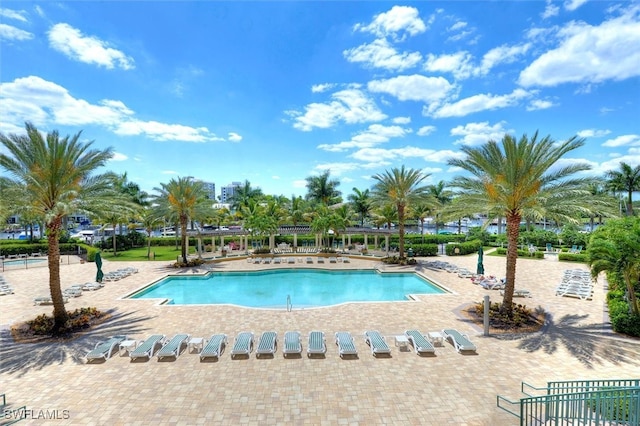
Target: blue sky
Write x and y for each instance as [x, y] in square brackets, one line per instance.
[273, 92]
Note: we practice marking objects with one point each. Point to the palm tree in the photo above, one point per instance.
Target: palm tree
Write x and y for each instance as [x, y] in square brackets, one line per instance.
[402, 188]
[421, 212]
[517, 176]
[614, 248]
[323, 190]
[625, 179]
[361, 201]
[184, 198]
[57, 174]
[443, 197]
[243, 194]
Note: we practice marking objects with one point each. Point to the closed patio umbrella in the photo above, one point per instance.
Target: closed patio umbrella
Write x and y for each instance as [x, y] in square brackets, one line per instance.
[480, 267]
[99, 273]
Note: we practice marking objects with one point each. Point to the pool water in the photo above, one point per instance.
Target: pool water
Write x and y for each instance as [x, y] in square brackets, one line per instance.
[28, 261]
[306, 288]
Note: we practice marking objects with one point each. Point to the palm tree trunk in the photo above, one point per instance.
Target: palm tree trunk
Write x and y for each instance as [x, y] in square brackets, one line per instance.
[60, 316]
[513, 229]
[401, 230]
[633, 301]
[630, 202]
[183, 238]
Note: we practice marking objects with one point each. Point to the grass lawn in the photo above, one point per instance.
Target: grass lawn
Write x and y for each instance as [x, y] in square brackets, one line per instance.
[164, 253]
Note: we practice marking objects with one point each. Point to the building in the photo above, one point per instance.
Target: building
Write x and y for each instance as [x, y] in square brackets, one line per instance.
[210, 189]
[227, 192]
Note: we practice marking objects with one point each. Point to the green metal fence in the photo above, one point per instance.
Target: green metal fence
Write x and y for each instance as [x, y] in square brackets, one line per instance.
[598, 402]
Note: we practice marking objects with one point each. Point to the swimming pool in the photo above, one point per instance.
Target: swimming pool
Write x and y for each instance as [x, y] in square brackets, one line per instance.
[306, 288]
[21, 262]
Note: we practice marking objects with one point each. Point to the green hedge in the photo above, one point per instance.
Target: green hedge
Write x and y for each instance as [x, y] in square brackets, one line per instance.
[423, 249]
[622, 321]
[521, 253]
[463, 248]
[573, 257]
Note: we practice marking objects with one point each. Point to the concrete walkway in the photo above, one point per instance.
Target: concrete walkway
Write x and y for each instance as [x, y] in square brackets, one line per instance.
[448, 389]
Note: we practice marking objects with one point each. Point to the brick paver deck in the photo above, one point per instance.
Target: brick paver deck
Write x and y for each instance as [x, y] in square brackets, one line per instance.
[449, 388]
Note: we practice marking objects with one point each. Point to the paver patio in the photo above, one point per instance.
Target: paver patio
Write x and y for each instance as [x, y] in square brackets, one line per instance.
[449, 388]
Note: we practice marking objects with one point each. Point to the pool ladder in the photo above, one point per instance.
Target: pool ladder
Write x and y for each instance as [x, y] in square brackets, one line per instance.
[289, 304]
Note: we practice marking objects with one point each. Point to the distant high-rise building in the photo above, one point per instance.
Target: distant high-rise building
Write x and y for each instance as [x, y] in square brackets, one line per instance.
[227, 192]
[210, 188]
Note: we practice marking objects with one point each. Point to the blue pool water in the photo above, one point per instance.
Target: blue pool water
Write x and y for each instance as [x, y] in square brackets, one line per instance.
[307, 288]
[14, 262]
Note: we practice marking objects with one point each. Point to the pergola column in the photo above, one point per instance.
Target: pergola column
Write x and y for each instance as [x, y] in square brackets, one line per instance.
[366, 244]
[295, 240]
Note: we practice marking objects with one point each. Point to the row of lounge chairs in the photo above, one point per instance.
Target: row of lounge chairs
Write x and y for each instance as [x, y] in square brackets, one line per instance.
[5, 287]
[157, 345]
[292, 260]
[119, 274]
[576, 283]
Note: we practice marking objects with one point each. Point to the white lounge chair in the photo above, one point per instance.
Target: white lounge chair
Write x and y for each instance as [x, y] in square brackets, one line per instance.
[420, 343]
[243, 344]
[317, 344]
[147, 348]
[104, 350]
[459, 341]
[173, 347]
[376, 343]
[292, 345]
[267, 344]
[214, 347]
[346, 345]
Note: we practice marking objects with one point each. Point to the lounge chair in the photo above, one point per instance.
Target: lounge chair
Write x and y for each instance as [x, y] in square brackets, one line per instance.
[292, 345]
[345, 259]
[309, 259]
[459, 341]
[267, 344]
[243, 344]
[518, 293]
[173, 347]
[147, 348]
[346, 345]
[214, 347]
[420, 343]
[91, 286]
[320, 259]
[104, 350]
[47, 300]
[377, 343]
[333, 259]
[291, 260]
[317, 344]
[277, 260]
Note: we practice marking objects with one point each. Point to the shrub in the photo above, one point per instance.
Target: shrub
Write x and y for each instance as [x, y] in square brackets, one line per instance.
[189, 263]
[395, 260]
[521, 253]
[573, 257]
[622, 320]
[424, 249]
[79, 319]
[463, 248]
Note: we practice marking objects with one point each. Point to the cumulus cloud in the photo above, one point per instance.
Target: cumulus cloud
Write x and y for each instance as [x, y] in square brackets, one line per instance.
[414, 88]
[402, 120]
[477, 103]
[336, 169]
[396, 23]
[380, 54]
[426, 130]
[504, 54]
[8, 32]
[474, 134]
[118, 156]
[550, 10]
[319, 88]
[349, 105]
[234, 137]
[91, 50]
[18, 15]
[572, 5]
[43, 102]
[374, 135]
[593, 133]
[537, 104]
[373, 156]
[631, 140]
[589, 54]
[458, 64]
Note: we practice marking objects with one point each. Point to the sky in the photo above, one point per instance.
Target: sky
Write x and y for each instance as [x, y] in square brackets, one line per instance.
[275, 92]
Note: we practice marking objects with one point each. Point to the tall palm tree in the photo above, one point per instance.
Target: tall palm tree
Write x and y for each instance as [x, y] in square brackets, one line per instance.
[322, 189]
[614, 248]
[185, 199]
[443, 197]
[627, 179]
[243, 195]
[516, 176]
[421, 212]
[361, 201]
[403, 188]
[58, 176]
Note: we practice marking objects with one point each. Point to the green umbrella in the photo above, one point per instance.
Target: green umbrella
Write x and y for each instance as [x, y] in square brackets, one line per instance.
[480, 268]
[99, 273]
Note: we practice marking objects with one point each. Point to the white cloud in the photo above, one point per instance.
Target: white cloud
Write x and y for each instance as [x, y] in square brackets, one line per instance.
[299, 183]
[572, 5]
[402, 120]
[400, 19]
[631, 140]
[87, 49]
[8, 32]
[414, 88]
[502, 55]
[350, 105]
[43, 102]
[319, 88]
[537, 104]
[380, 54]
[337, 169]
[18, 15]
[373, 156]
[459, 64]
[234, 137]
[374, 135]
[476, 103]
[426, 130]
[550, 10]
[589, 54]
[593, 133]
[118, 156]
[457, 26]
[475, 134]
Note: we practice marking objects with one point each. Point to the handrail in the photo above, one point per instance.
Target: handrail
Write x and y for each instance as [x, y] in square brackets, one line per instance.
[289, 304]
[518, 403]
